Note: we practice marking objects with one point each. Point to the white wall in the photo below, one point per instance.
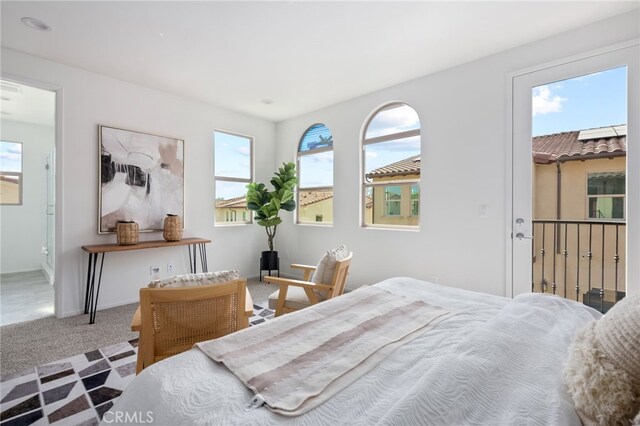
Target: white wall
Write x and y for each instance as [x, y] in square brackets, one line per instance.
[463, 114]
[90, 99]
[22, 226]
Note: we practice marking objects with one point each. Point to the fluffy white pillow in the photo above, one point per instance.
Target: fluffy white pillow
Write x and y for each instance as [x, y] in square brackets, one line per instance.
[192, 280]
[327, 267]
[603, 370]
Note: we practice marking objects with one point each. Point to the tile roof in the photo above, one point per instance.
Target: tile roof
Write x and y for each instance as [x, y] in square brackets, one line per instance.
[233, 203]
[309, 197]
[408, 166]
[566, 146]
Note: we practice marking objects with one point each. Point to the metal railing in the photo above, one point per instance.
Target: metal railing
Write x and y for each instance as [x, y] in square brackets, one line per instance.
[580, 259]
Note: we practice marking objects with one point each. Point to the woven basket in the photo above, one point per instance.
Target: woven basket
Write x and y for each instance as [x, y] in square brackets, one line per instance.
[172, 228]
[127, 233]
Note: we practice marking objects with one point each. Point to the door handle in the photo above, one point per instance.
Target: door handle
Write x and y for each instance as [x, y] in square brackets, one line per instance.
[521, 236]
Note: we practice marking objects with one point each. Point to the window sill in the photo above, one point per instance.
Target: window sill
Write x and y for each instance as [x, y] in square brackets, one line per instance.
[230, 225]
[316, 225]
[392, 228]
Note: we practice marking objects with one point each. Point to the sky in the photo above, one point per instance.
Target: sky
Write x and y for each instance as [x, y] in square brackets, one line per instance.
[10, 156]
[586, 102]
[232, 158]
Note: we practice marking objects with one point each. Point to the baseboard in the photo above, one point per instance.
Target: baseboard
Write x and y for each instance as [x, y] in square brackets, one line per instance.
[23, 271]
[100, 308]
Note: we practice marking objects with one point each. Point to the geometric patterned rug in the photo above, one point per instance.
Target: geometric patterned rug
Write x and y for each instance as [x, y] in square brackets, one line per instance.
[77, 390]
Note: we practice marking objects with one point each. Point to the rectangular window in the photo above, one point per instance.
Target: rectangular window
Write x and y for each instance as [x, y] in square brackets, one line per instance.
[392, 200]
[233, 162]
[415, 200]
[10, 173]
[606, 192]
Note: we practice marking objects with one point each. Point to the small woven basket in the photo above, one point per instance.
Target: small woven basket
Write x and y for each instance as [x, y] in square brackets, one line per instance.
[172, 230]
[127, 233]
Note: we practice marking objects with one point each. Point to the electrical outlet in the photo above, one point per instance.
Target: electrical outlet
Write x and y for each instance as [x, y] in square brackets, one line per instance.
[154, 271]
[169, 267]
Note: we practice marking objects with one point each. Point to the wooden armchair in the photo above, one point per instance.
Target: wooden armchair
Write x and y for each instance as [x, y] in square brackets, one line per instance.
[298, 294]
[172, 320]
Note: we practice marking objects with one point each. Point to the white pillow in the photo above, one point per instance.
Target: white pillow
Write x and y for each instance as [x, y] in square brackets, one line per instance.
[192, 280]
[603, 369]
[327, 267]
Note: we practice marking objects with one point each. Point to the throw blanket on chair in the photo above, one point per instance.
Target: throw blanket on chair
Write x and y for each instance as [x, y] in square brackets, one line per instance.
[297, 361]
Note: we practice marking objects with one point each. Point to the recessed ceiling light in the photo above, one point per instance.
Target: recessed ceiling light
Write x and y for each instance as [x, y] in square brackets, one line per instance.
[35, 23]
[267, 101]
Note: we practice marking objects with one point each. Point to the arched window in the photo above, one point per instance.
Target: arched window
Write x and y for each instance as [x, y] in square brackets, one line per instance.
[391, 165]
[315, 174]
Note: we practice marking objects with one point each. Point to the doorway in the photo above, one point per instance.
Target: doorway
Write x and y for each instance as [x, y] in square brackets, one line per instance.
[574, 180]
[27, 202]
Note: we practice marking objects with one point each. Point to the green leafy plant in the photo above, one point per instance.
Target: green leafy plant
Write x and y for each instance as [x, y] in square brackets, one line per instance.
[267, 204]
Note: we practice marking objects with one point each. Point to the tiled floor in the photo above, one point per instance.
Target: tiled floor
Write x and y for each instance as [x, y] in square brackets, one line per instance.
[25, 296]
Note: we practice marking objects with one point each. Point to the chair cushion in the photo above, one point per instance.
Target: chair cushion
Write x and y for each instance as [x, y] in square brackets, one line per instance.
[327, 265]
[296, 298]
[603, 370]
[192, 280]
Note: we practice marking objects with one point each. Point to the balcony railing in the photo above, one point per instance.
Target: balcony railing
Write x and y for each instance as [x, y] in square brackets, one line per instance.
[580, 260]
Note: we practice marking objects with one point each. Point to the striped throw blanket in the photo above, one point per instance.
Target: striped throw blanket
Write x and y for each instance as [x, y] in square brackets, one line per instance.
[297, 361]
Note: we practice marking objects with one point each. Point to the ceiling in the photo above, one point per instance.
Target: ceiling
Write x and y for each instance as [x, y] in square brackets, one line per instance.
[301, 55]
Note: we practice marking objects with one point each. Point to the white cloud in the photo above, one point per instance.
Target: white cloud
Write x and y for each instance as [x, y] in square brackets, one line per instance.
[243, 150]
[544, 102]
[370, 154]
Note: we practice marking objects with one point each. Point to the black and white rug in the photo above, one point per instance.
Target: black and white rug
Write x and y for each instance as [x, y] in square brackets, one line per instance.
[77, 390]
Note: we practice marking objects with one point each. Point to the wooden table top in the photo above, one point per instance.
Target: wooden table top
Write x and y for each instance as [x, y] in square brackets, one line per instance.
[106, 248]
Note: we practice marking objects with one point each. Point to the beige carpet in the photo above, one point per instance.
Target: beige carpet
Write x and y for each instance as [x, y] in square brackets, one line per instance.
[38, 342]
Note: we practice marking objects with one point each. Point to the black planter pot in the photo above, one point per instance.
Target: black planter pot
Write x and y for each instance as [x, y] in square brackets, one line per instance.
[269, 261]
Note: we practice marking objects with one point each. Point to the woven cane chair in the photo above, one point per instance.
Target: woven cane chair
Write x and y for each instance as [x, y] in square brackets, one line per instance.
[174, 319]
[298, 294]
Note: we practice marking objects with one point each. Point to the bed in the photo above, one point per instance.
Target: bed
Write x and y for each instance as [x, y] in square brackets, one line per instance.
[493, 361]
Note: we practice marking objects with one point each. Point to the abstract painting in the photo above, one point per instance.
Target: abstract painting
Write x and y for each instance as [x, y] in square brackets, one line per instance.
[141, 179]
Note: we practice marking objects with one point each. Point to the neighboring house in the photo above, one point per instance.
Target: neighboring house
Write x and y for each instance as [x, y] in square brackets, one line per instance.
[397, 204]
[233, 210]
[580, 176]
[316, 206]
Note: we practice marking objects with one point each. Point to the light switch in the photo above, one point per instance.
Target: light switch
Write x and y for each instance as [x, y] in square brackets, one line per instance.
[483, 210]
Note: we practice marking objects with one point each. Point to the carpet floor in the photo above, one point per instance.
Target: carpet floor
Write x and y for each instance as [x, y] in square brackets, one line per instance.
[33, 343]
[76, 390]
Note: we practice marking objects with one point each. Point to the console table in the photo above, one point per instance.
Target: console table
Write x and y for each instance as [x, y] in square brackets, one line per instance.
[91, 300]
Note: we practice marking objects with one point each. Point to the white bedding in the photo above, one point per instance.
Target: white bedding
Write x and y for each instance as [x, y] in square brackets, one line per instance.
[498, 361]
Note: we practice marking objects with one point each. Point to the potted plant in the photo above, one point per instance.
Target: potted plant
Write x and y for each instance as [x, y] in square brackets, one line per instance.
[267, 205]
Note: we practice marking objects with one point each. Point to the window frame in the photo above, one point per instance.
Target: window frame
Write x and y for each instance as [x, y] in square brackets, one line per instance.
[19, 174]
[597, 196]
[414, 201]
[364, 185]
[217, 178]
[387, 200]
[300, 188]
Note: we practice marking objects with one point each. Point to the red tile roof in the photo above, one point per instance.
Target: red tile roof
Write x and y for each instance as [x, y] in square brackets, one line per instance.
[408, 166]
[314, 196]
[566, 146]
[232, 203]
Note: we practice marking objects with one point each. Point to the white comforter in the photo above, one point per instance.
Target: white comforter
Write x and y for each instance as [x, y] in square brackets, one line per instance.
[496, 362]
